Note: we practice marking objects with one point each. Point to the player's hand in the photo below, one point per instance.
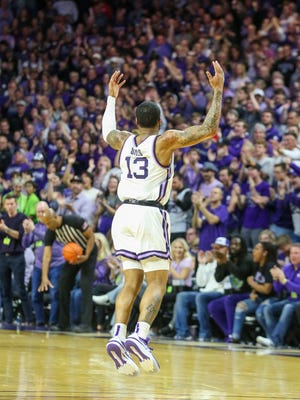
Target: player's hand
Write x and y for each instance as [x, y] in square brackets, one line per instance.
[216, 81]
[115, 83]
[44, 286]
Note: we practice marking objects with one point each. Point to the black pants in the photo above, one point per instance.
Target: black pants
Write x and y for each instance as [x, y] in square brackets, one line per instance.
[66, 284]
[13, 265]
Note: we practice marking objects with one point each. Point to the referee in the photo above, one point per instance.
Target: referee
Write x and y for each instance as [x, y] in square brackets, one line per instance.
[66, 229]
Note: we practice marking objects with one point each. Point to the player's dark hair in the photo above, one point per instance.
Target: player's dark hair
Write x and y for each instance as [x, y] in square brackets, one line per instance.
[147, 114]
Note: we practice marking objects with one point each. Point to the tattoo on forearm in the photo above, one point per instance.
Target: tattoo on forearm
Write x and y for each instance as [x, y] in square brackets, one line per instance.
[210, 125]
[214, 114]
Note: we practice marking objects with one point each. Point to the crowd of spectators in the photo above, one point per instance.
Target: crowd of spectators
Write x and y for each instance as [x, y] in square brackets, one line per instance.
[56, 60]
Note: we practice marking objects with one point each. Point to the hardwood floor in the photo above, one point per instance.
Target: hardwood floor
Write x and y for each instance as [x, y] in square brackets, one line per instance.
[43, 365]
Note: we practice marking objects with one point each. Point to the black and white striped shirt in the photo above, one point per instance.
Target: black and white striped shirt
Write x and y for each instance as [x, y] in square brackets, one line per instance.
[71, 230]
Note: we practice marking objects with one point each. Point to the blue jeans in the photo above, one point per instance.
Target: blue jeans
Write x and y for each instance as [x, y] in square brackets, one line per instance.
[13, 265]
[38, 297]
[243, 308]
[278, 318]
[259, 313]
[188, 301]
[278, 230]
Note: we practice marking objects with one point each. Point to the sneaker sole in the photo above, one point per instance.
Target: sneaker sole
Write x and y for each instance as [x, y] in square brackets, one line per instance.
[263, 342]
[146, 359]
[123, 362]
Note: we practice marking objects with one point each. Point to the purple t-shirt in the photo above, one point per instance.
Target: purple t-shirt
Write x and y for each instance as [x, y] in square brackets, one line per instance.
[235, 146]
[292, 286]
[209, 232]
[256, 217]
[36, 238]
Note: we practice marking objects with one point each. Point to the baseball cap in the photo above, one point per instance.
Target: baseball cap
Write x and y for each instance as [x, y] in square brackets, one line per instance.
[208, 166]
[38, 157]
[259, 92]
[222, 241]
[21, 103]
[150, 85]
[97, 56]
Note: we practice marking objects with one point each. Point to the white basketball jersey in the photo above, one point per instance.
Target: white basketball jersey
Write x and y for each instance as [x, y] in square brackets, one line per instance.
[143, 177]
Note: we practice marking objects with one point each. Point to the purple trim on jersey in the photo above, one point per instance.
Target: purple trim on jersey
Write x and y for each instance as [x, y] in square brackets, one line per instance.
[164, 185]
[162, 190]
[135, 142]
[165, 227]
[154, 155]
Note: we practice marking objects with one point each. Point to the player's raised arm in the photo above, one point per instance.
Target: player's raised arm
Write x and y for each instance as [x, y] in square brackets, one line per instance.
[110, 133]
[174, 139]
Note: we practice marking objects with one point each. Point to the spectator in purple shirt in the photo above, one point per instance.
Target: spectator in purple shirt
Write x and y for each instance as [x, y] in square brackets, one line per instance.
[254, 198]
[19, 164]
[281, 217]
[221, 158]
[209, 180]
[272, 132]
[226, 177]
[210, 217]
[191, 168]
[237, 137]
[39, 172]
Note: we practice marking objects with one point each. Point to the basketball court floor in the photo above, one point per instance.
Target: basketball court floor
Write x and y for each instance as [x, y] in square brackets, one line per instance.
[44, 365]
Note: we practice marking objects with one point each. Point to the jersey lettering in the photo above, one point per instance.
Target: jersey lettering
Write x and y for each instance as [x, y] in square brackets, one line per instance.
[137, 167]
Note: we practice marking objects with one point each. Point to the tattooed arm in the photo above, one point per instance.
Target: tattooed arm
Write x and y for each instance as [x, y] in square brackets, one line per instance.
[116, 138]
[173, 139]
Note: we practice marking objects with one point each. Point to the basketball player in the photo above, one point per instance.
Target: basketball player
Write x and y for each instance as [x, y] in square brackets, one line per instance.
[66, 229]
[141, 226]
